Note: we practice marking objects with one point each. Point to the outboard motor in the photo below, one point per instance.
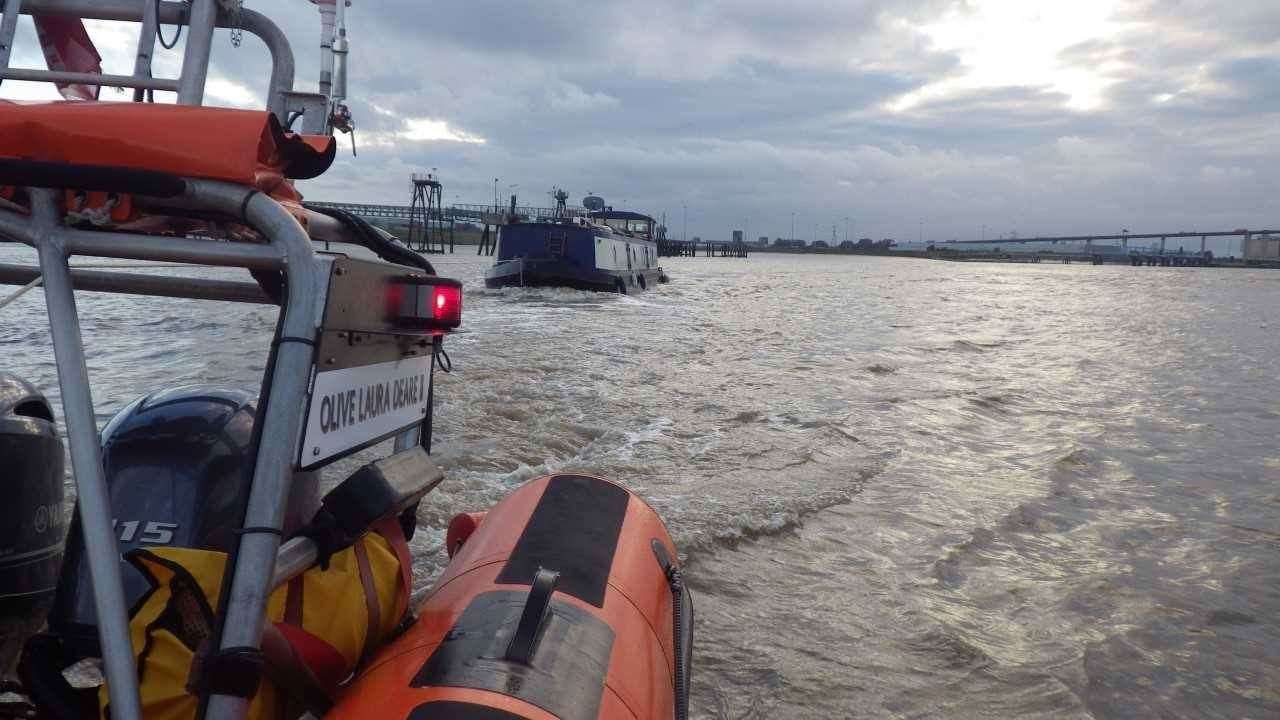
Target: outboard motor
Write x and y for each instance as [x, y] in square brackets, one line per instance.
[178, 465]
[31, 516]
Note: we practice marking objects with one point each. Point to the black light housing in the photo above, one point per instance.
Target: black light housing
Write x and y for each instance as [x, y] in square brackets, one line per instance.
[425, 303]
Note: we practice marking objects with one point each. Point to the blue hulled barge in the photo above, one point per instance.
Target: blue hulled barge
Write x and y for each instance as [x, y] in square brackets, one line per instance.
[605, 250]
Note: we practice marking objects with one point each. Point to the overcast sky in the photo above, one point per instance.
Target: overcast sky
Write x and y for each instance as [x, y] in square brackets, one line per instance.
[911, 117]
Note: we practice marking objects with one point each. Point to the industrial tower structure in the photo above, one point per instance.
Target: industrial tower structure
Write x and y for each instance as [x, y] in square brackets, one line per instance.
[427, 232]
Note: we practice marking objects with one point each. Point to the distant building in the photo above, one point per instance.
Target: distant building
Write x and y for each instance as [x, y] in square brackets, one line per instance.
[820, 243]
[1261, 247]
[763, 240]
[737, 237]
[788, 243]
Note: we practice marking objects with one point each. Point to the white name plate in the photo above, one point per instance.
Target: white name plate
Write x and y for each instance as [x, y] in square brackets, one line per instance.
[356, 407]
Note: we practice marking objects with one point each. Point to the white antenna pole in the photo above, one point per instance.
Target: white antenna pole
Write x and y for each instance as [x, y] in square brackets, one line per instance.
[338, 63]
[327, 22]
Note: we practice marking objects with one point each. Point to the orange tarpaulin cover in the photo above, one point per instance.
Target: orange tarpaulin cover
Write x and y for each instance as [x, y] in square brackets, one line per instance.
[248, 147]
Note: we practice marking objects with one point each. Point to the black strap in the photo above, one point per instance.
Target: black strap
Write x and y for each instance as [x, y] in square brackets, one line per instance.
[244, 205]
[258, 530]
[442, 359]
[235, 671]
[290, 338]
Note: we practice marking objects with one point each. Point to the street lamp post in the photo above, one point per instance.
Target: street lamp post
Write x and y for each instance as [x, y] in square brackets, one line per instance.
[495, 195]
[793, 227]
[684, 232]
[846, 228]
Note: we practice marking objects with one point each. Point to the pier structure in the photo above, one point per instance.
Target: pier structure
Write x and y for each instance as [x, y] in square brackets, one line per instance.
[488, 244]
[426, 207]
[709, 248]
[477, 214]
[427, 230]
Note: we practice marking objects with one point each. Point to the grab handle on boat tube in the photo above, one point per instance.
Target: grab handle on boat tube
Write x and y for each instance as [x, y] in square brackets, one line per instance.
[381, 489]
[525, 639]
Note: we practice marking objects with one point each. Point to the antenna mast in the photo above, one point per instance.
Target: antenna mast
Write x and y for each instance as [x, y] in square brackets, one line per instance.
[333, 67]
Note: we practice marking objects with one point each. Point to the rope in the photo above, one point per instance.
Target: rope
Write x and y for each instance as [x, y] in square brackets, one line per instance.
[22, 291]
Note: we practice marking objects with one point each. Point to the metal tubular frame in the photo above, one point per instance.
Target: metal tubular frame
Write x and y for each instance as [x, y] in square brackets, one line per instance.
[171, 13]
[195, 60]
[128, 246]
[138, 284]
[92, 498]
[282, 419]
[8, 29]
[61, 76]
[146, 41]
[289, 249]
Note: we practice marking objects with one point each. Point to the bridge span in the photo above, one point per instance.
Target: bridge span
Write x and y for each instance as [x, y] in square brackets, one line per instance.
[1123, 237]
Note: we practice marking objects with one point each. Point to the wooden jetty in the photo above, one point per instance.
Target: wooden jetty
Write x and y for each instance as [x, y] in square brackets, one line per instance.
[709, 248]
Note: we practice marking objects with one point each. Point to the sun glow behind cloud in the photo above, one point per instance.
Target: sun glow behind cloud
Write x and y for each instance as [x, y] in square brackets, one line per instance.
[1019, 43]
[432, 129]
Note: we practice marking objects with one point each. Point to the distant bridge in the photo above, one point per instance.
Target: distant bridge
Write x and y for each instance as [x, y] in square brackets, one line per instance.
[1124, 238]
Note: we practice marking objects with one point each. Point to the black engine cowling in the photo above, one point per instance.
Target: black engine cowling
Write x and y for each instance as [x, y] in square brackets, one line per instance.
[31, 516]
[177, 466]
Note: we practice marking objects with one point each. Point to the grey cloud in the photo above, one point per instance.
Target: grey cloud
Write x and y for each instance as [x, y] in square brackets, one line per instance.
[757, 109]
[754, 108]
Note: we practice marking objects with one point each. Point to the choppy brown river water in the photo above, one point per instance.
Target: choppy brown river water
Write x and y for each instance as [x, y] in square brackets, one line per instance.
[905, 488]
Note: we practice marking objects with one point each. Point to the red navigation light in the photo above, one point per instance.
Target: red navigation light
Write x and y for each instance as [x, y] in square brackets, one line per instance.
[425, 303]
[446, 308]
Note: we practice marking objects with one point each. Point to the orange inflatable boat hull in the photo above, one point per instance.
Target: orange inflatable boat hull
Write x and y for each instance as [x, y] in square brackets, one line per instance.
[562, 601]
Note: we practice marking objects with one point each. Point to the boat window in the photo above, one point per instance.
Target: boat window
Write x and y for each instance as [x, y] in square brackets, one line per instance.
[639, 227]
